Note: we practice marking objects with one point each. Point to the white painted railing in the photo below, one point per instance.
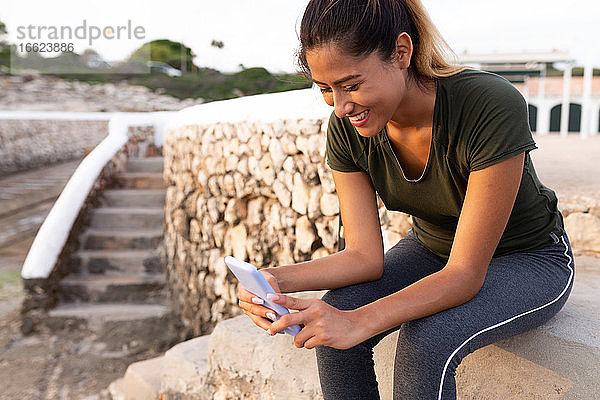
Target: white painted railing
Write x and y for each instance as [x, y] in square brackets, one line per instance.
[55, 230]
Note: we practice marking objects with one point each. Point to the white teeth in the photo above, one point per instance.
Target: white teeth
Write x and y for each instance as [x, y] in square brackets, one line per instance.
[360, 116]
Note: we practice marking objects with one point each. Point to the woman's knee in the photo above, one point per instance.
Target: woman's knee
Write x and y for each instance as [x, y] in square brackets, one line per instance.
[428, 338]
[346, 298]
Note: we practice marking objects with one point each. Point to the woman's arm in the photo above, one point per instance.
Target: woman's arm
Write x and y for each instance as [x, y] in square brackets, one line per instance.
[489, 200]
[360, 261]
[362, 258]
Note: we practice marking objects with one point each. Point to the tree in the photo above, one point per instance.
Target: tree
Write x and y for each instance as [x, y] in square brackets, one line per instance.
[4, 46]
[166, 51]
[217, 43]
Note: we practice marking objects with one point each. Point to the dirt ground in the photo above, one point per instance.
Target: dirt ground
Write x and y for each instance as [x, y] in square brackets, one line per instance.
[65, 366]
[59, 366]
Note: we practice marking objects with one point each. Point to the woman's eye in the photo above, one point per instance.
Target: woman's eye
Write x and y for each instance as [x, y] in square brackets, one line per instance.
[351, 87]
[325, 90]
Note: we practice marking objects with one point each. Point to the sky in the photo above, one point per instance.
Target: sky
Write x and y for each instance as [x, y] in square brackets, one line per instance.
[263, 32]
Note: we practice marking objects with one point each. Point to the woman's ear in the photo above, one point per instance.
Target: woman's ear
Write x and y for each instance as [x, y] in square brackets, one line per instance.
[404, 49]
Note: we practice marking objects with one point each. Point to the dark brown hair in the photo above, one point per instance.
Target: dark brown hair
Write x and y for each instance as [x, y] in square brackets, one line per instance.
[361, 27]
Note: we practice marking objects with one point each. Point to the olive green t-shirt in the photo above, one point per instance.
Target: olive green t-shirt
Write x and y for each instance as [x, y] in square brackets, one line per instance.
[479, 119]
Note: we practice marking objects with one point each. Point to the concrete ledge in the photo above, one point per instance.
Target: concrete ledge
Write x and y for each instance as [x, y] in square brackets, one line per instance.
[559, 360]
[142, 380]
[185, 369]
[244, 361]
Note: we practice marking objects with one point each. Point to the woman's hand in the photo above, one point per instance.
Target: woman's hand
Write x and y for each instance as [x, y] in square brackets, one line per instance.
[322, 324]
[253, 305]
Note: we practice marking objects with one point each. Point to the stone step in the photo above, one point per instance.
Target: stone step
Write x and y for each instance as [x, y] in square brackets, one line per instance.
[146, 164]
[126, 218]
[142, 380]
[95, 239]
[242, 357]
[115, 327]
[139, 180]
[115, 262]
[179, 374]
[147, 288]
[185, 368]
[116, 390]
[133, 198]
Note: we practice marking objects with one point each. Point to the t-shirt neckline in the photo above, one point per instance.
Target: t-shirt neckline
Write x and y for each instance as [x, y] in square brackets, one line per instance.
[431, 146]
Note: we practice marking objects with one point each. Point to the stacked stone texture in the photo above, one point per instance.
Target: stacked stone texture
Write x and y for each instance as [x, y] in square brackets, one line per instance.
[27, 144]
[261, 192]
[48, 93]
[582, 223]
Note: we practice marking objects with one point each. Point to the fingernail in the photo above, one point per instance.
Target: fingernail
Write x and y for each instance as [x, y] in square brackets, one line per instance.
[269, 332]
[272, 297]
[257, 300]
[271, 316]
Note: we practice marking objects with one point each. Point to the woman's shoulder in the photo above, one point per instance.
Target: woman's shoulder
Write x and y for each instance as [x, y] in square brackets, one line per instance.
[472, 83]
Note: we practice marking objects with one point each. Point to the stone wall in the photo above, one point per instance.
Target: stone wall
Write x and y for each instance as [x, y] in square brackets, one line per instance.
[261, 192]
[27, 144]
[582, 223]
[31, 93]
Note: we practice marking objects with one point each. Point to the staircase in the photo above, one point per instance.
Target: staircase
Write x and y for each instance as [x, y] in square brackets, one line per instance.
[116, 289]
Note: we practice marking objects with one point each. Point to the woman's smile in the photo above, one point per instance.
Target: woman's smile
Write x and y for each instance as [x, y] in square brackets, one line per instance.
[360, 119]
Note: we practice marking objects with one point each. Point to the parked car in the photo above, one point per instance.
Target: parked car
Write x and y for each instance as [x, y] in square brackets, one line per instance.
[163, 68]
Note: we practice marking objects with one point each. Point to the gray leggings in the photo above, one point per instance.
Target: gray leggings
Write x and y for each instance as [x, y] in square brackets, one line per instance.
[521, 291]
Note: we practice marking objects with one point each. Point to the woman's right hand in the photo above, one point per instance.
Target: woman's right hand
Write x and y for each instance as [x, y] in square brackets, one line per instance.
[253, 306]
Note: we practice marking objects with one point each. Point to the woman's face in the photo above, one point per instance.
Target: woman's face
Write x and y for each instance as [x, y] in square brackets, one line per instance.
[367, 90]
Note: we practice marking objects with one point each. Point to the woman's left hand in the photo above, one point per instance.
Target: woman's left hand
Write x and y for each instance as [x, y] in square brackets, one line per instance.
[324, 325]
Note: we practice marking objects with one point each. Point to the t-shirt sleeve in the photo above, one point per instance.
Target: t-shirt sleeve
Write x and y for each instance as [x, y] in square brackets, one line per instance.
[338, 155]
[500, 126]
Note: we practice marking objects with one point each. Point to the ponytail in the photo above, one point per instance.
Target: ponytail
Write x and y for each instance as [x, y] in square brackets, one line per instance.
[434, 58]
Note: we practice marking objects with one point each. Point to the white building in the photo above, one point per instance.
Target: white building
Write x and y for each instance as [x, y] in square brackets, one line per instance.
[564, 104]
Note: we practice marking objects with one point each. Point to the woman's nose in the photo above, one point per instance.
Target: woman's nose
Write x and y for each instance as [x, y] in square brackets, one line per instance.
[342, 105]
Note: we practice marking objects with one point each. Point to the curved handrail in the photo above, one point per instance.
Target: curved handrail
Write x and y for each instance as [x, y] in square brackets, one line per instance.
[55, 229]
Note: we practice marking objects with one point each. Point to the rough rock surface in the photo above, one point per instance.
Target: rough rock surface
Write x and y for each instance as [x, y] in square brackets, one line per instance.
[47, 93]
[263, 195]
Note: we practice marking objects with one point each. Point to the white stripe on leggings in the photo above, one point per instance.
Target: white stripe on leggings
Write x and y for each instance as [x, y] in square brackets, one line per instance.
[510, 319]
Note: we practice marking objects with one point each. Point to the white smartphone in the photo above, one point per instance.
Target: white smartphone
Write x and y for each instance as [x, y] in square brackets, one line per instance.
[257, 284]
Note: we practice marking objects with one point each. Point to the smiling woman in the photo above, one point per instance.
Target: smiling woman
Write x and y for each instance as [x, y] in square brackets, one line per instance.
[487, 257]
